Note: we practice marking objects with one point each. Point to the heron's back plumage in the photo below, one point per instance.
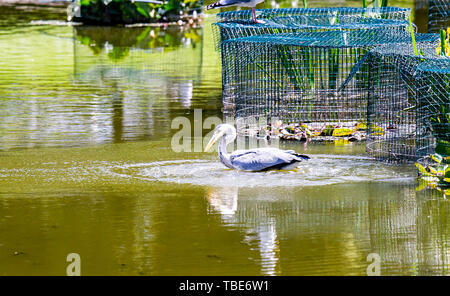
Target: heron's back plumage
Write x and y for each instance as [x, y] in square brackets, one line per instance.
[261, 159]
[226, 3]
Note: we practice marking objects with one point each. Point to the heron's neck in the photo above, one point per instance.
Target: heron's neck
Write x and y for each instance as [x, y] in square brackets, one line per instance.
[223, 155]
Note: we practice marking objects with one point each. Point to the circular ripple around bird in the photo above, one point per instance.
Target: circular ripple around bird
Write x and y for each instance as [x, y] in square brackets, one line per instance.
[320, 170]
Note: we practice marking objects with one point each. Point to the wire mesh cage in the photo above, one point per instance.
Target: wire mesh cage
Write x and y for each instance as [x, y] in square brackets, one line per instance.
[237, 24]
[297, 24]
[400, 101]
[438, 15]
[268, 14]
[318, 78]
[433, 107]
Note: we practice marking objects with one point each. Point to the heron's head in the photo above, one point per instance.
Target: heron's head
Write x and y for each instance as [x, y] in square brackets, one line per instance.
[221, 130]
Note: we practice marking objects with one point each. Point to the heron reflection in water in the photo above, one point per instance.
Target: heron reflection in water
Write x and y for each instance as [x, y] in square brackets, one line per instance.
[253, 160]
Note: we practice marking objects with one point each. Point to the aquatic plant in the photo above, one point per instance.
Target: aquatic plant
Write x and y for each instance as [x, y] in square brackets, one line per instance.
[440, 123]
[293, 74]
[434, 172]
[439, 92]
[298, 77]
[413, 37]
[443, 47]
[376, 3]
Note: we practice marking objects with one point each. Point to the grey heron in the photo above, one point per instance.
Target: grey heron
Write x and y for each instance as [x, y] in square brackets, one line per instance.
[258, 159]
[240, 3]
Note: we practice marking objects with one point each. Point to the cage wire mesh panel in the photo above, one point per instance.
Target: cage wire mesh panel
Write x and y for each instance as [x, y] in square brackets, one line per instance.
[317, 78]
[438, 15]
[236, 24]
[433, 102]
[298, 24]
[395, 104]
[267, 14]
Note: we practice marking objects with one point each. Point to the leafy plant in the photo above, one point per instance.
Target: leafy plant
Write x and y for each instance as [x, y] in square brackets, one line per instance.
[291, 70]
[125, 11]
[435, 175]
[443, 47]
[440, 124]
[375, 3]
[413, 37]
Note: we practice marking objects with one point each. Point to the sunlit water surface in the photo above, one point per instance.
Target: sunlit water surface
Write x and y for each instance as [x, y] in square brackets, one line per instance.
[86, 166]
[320, 170]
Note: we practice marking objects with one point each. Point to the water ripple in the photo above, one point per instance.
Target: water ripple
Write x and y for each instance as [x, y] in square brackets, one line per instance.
[320, 170]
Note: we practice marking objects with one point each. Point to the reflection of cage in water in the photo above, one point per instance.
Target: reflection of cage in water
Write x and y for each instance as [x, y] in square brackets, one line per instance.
[138, 77]
[137, 54]
[303, 77]
[375, 223]
[438, 15]
[401, 101]
[236, 24]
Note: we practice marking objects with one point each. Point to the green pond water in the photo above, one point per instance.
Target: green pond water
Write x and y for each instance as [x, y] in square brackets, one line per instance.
[87, 167]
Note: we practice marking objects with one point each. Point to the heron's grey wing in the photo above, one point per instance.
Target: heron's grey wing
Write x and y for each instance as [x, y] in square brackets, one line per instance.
[261, 159]
[231, 2]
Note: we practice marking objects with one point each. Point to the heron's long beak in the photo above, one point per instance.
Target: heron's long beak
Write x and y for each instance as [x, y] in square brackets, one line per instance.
[214, 139]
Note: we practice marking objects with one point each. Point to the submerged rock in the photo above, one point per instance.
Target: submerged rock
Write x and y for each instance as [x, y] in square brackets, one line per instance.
[351, 132]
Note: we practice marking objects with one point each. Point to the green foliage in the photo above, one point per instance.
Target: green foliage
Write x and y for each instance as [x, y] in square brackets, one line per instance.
[298, 77]
[333, 68]
[118, 53]
[442, 44]
[436, 174]
[413, 37]
[440, 124]
[375, 3]
[126, 12]
[292, 72]
[143, 10]
[305, 4]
